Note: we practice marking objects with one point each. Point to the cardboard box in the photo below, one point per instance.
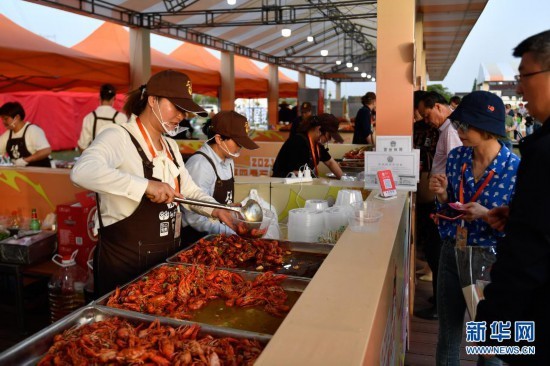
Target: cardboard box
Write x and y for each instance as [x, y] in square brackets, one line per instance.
[76, 228]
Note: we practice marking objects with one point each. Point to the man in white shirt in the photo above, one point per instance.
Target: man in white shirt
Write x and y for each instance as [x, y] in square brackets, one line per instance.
[25, 143]
[103, 116]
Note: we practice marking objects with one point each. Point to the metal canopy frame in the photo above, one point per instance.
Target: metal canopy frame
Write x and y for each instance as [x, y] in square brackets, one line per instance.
[166, 20]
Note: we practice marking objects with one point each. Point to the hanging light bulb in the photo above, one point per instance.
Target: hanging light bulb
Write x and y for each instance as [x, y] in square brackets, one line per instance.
[338, 62]
[373, 79]
[363, 74]
[286, 32]
[231, 2]
[356, 68]
[310, 38]
[349, 64]
[324, 52]
[369, 76]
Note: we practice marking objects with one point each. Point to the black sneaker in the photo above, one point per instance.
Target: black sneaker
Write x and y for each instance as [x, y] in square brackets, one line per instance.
[428, 314]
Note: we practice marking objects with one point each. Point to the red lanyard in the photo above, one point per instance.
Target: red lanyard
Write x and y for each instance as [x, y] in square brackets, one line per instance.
[313, 155]
[152, 150]
[479, 190]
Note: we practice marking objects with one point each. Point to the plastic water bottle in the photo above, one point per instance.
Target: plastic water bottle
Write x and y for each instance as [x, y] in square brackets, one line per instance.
[66, 287]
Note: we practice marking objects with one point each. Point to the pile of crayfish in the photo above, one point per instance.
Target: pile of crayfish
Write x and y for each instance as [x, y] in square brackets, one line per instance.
[116, 341]
[176, 290]
[232, 251]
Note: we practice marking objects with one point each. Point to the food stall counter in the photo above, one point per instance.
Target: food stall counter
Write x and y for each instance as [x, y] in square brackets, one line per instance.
[354, 312]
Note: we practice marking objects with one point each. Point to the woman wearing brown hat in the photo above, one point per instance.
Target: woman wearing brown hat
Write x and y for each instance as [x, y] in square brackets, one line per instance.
[308, 147]
[137, 173]
[212, 169]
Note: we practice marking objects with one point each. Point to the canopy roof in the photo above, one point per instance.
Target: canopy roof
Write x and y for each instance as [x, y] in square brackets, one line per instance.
[30, 62]
[112, 42]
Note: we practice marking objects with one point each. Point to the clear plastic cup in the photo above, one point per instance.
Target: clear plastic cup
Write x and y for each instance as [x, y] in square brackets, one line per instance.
[318, 205]
[348, 196]
[364, 216]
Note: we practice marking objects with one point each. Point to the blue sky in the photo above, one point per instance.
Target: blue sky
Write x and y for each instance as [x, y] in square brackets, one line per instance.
[502, 25]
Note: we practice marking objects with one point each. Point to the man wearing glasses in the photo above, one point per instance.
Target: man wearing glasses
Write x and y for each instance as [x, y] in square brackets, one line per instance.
[520, 288]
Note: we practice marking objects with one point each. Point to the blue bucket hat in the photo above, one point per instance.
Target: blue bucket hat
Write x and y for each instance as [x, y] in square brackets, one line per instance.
[482, 110]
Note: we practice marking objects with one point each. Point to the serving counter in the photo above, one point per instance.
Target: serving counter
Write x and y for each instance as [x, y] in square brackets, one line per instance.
[354, 311]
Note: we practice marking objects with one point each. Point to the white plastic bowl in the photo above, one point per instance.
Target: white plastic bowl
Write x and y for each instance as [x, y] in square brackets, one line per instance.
[363, 221]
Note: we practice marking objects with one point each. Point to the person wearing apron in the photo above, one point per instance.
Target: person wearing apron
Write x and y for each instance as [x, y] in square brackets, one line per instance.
[211, 167]
[137, 172]
[25, 143]
[103, 116]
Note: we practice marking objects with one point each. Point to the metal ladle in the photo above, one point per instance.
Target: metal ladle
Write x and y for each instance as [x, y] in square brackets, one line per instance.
[251, 211]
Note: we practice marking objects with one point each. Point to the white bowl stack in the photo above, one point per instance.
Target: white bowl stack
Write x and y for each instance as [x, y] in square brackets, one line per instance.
[319, 205]
[305, 225]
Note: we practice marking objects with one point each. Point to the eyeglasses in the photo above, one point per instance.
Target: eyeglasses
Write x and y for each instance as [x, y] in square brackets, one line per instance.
[460, 126]
[523, 76]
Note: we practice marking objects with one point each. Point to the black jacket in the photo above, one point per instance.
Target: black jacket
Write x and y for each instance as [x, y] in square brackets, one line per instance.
[520, 287]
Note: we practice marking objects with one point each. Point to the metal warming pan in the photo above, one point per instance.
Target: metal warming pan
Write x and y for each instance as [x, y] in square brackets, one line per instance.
[216, 313]
[304, 261]
[29, 351]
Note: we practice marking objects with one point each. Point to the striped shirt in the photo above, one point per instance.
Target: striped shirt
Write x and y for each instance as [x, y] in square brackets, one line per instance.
[448, 140]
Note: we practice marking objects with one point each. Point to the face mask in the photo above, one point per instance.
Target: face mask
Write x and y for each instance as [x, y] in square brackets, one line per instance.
[12, 124]
[166, 125]
[234, 155]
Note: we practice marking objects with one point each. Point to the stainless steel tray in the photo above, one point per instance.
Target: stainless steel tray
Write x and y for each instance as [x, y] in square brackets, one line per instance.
[231, 317]
[297, 264]
[29, 351]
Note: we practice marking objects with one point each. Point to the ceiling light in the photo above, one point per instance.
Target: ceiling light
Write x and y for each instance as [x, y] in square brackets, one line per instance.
[373, 79]
[338, 62]
[363, 74]
[369, 76]
[324, 52]
[349, 64]
[231, 2]
[286, 32]
[356, 68]
[310, 38]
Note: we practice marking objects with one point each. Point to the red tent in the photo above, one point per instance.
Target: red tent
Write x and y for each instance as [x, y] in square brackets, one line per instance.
[111, 42]
[30, 62]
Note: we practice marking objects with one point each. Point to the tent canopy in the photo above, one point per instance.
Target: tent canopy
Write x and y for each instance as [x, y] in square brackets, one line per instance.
[30, 62]
[112, 42]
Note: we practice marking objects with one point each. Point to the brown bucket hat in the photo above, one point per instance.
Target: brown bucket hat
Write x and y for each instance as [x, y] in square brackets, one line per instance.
[177, 88]
[235, 126]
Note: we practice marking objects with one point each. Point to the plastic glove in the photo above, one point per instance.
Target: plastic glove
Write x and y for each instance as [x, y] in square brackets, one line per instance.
[20, 162]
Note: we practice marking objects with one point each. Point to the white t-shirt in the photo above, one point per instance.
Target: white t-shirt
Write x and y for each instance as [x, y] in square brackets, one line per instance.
[112, 167]
[35, 138]
[103, 111]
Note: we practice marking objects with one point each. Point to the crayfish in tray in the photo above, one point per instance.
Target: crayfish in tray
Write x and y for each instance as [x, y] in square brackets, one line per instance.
[176, 291]
[232, 251]
[115, 341]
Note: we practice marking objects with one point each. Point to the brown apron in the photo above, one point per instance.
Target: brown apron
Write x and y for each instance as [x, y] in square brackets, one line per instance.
[223, 193]
[133, 245]
[17, 148]
[113, 119]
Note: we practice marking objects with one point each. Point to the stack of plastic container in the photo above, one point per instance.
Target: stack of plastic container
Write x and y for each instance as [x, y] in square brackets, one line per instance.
[319, 205]
[305, 225]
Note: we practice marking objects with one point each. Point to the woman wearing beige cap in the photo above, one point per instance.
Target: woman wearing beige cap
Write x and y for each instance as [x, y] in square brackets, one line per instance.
[137, 173]
[212, 168]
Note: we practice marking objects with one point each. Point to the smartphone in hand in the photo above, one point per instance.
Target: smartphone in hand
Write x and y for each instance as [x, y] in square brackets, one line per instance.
[450, 214]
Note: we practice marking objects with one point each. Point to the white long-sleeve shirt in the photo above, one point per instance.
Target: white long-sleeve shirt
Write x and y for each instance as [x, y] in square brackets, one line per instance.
[103, 111]
[205, 177]
[112, 167]
[448, 140]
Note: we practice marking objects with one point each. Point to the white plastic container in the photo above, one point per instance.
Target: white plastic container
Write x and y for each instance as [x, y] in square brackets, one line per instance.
[318, 205]
[305, 225]
[364, 217]
[348, 196]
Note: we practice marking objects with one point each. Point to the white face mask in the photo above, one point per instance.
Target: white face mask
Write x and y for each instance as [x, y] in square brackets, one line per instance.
[166, 125]
[233, 155]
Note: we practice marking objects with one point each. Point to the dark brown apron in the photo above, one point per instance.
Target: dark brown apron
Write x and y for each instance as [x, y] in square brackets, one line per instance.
[142, 240]
[17, 148]
[113, 120]
[223, 193]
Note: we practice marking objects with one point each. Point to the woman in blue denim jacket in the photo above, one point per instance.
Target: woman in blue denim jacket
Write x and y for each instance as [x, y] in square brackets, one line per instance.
[480, 175]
